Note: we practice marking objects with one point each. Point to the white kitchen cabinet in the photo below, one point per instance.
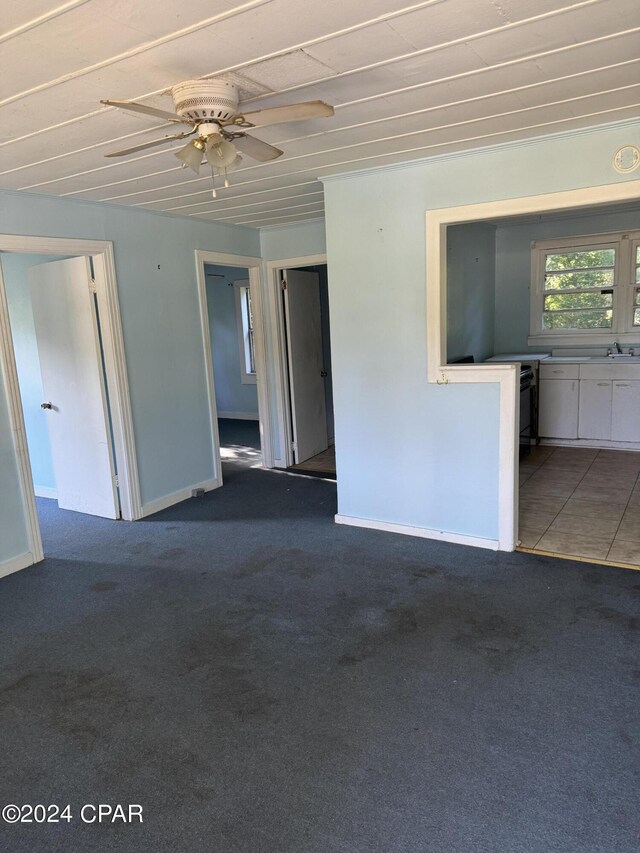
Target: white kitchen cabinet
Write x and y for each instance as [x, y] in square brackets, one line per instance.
[625, 411]
[594, 419]
[558, 408]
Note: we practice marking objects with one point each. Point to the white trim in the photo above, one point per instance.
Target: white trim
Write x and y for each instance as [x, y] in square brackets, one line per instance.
[240, 416]
[16, 564]
[495, 147]
[16, 419]
[423, 532]
[279, 349]
[177, 497]
[289, 225]
[596, 339]
[254, 266]
[46, 492]
[439, 372]
[102, 255]
[104, 271]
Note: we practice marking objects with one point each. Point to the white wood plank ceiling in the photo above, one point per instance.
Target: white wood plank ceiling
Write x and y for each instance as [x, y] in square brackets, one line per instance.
[407, 81]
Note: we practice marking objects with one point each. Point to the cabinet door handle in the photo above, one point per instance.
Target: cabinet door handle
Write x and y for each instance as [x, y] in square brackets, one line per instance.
[622, 384]
[602, 384]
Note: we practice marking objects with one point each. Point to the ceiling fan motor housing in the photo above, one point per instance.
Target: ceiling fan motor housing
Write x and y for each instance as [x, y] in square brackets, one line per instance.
[206, 100]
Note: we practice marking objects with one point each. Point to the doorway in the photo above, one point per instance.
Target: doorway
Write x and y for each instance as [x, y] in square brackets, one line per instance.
[307, 335]
[59, 358]
[68, 338]
[504, 375]
[231, 330]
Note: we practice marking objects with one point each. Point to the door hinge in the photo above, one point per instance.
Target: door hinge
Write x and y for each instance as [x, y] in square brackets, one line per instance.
[92, 286]
[294, 446]
[283, 284]
[116, 481]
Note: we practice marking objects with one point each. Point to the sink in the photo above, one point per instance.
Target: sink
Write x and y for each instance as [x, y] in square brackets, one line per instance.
[555, 358]
[594, 359]
[623, 356]
[607, 359]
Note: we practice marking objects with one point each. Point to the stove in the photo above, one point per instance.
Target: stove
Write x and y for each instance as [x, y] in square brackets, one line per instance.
[528, 398]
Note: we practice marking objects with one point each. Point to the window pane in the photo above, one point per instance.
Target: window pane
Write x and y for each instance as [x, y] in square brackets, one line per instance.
[249, 311]
[581, 260]
[636, 317]
[591, 299]
[574, 280]
[638, 254]
[577, 319]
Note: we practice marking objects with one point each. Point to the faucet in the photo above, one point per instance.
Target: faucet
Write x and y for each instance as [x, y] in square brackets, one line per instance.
[618, 348]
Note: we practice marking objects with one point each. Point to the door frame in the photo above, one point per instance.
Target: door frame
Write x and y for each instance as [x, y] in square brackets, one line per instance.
[117, 381]
[281, 391]
[253, 267]
[441, 373]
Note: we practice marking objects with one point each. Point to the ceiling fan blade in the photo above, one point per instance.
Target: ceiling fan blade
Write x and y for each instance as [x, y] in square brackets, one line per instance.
[256, 148]
[292, 112]
[148, 145]
[150, 111]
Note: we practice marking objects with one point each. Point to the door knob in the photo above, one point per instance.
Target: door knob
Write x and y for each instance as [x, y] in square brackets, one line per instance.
[323, 373]
[46, 406]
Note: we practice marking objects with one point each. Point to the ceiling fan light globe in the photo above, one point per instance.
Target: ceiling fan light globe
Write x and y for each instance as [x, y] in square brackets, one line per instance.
[191, 156]
[221, 154]
[235, 165]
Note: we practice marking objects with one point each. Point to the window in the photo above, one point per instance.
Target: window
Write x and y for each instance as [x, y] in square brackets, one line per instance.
[586, 289]
[245, 332]
[636, 289]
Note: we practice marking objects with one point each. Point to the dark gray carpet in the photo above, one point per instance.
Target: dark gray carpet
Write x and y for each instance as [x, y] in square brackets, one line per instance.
[238, 433]
[262, 680]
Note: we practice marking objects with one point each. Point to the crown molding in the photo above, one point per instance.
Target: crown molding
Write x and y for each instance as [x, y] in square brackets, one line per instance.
[484, 149]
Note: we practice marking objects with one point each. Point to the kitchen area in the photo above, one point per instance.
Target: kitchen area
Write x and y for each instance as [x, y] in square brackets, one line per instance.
[550, 295]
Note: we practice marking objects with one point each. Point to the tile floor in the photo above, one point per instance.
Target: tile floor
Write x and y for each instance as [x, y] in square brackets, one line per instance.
[581, 502]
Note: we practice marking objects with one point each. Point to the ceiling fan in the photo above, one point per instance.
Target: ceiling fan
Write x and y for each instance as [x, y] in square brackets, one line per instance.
[210, 108]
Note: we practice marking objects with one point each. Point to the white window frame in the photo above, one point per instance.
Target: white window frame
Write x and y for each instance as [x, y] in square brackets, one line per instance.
[622, 329]
[247, 376]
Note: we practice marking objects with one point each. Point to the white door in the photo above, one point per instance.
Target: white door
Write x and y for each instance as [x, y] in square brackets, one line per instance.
[304, 351]
[73, 381]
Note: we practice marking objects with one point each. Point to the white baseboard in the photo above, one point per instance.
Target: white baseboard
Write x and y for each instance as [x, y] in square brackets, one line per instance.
[239, 416]
[423, 532]
[46, 492]
[177, 497]
[16, 563]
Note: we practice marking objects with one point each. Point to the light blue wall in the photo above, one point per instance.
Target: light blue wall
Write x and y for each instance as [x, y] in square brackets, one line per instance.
[14, 270]
[513, 268]
[231, 394]
[299, 240]
[155, 267]
[471, 284]
[409, 452]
